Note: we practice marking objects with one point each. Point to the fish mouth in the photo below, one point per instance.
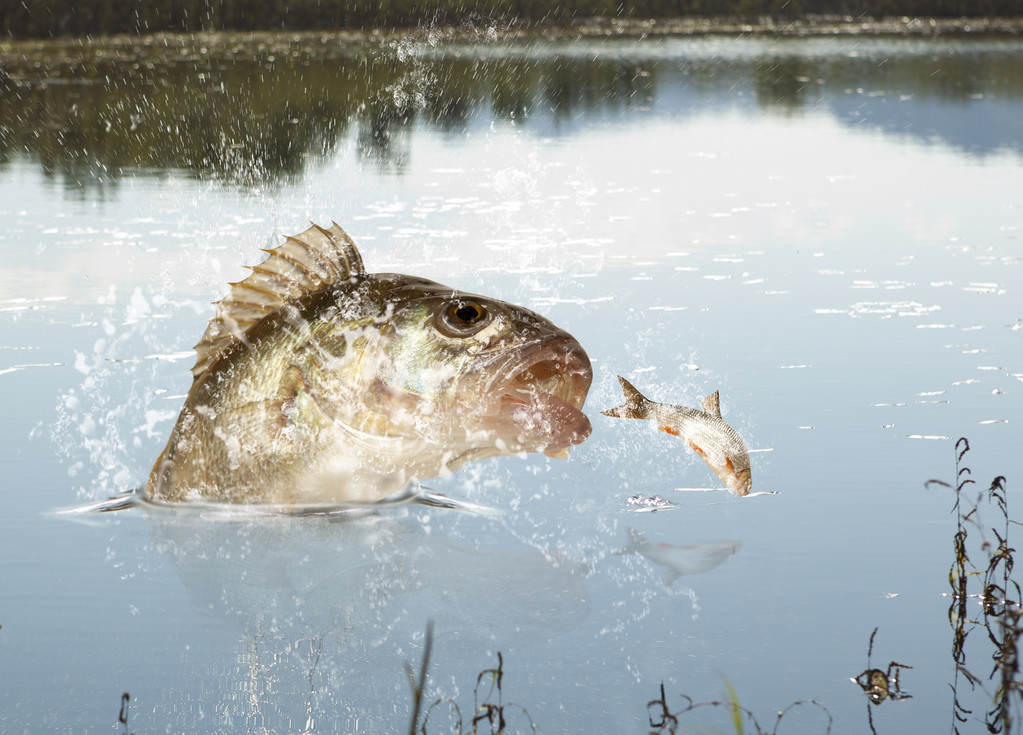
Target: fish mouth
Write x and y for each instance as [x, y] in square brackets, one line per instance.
[542, 394]
[741, 482]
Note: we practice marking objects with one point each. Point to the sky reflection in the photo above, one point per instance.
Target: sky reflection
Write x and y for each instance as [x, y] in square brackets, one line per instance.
[838, 256]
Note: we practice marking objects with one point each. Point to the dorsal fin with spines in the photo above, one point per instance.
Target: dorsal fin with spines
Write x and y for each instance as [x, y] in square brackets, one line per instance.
[303, 264]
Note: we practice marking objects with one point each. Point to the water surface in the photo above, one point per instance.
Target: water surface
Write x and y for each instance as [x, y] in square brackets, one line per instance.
[827, 230]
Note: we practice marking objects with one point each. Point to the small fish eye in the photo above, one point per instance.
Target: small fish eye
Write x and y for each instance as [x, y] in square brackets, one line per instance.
[463, 318]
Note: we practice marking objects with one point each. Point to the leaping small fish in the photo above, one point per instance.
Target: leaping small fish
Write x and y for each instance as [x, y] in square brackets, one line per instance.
[318, 383]
[705, 431]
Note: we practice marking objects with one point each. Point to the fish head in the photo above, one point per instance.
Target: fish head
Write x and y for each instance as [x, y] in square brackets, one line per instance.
[739, 481]
[474, 376]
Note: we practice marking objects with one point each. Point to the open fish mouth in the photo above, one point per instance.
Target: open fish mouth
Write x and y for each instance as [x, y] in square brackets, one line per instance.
[544, 394]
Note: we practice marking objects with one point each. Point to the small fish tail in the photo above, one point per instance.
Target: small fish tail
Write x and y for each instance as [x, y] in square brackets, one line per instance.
[637, 541]
[635, 406]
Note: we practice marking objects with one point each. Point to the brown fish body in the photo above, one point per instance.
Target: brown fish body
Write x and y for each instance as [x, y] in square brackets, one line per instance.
[319, 383]
[717, 443]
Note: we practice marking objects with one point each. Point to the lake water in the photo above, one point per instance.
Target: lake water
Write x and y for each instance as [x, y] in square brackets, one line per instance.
[827, 230]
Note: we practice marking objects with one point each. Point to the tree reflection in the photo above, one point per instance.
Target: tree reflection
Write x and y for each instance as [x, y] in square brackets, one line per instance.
[782, 84]
[259, 109]
[383, 140]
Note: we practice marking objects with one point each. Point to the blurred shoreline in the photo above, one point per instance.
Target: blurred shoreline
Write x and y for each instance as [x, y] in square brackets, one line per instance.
[482, 30]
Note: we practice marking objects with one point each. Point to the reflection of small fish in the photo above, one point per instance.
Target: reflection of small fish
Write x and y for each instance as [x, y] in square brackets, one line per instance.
[319, 383]
[715, 441]
[681, 560]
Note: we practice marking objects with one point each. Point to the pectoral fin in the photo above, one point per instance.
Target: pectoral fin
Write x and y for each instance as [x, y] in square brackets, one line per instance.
[264, 426]
[255, 428]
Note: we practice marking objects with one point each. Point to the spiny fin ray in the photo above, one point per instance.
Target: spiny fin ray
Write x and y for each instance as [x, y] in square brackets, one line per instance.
[304, 263]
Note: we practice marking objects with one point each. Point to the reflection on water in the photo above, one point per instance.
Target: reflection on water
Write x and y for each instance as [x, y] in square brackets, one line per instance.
[825, 229]
[982, 529]
[324, 612]
[880, 684]
[249, 112]
[693, 716]
[680, 560]
[363, 575]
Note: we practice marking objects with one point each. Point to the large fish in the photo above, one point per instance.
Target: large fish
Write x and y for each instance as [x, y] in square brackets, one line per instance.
[318, 383]
[705, 431]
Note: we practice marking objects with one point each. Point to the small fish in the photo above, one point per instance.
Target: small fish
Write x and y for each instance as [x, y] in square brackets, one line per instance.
[318, 383]
[715, 441]
[681, 560]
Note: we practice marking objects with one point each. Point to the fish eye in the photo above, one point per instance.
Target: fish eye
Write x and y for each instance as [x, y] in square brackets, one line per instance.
[463, 318]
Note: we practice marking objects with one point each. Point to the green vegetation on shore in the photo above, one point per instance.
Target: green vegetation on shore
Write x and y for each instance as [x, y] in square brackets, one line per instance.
[49, 18]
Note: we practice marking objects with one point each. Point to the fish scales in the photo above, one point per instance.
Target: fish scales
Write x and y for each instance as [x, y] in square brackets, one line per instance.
[317, 383]
[717, 443]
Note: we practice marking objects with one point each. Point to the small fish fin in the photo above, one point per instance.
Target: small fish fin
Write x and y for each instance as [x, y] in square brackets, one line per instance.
[305, 263]
[635, 403]
[712, 404]
[670, 576]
